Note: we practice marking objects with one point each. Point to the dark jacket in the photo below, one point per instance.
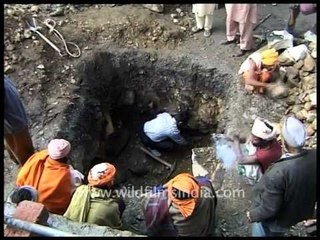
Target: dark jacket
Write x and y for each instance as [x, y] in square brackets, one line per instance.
[286, 193]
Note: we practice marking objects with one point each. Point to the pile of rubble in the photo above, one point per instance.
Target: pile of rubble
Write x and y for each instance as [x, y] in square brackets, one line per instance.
[302, 97]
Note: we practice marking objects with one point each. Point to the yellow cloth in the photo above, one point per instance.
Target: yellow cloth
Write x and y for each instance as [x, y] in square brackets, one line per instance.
[94, 205]
[188, 184]
[80, 204]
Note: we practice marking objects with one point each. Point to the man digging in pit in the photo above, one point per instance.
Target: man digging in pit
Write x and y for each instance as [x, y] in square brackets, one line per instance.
[162, 132]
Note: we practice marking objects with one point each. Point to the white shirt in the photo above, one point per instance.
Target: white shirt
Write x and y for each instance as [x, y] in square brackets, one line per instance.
[162, 127]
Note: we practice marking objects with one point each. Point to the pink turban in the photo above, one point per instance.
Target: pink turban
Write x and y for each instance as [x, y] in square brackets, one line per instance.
[58, 148]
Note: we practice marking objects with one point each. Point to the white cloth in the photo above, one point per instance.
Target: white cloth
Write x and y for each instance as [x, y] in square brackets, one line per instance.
[256, 57]
[76, 178]
[261, 130]
[162, 127]
[251, 171]
[204, 9]
[294, 132]
[205, 22]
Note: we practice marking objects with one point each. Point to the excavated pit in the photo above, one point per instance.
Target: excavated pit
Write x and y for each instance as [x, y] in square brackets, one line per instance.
[125, 84]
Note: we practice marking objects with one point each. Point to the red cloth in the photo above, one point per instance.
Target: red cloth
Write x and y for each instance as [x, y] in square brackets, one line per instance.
[267, 156]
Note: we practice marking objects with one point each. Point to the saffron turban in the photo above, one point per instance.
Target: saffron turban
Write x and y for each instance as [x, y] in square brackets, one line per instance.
[187, 184]
[101, 175]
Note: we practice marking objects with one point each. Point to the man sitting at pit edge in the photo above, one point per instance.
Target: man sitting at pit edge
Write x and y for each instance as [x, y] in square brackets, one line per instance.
[162, 133]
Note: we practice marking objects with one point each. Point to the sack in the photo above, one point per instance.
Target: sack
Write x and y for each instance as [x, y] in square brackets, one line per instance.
[251, 171]
[294, 54]
[280, 40]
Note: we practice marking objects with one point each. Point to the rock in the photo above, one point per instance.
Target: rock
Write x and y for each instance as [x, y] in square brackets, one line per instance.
[173, 15]
[310, 130]
[41, 66]
[314, 124]
[313, 99]
[58, 12]
[309, 82]
[178, 10]
[302, 115]
[154, 7]
[175, 20]
[10, 47]
[309, 63]
[17, 38]
[9, 69]
[314, 53]
[307, 106]
[34, 9]
[296, 108]
[298, 65]
[292, 72]
[181, 14]
[311, 117]
[27, 33]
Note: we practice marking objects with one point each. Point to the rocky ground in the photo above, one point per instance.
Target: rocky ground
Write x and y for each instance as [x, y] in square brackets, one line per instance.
[47, 81]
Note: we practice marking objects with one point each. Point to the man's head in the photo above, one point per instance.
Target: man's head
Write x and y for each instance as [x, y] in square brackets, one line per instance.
[59, 149]
[181, 117]
[293, 133]
[183, 190]
[262, 132]
[102, 175]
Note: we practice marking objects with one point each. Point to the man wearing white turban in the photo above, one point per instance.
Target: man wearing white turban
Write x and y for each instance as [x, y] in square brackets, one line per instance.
[265, 148]
[286, 193]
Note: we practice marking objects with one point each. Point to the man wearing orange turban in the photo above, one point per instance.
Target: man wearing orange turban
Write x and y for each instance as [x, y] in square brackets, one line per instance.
[185, 207]
[54, 179]
[96, 203]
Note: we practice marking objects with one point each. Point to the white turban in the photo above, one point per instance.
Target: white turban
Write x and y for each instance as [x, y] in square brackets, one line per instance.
[263, 129]
[293, 132]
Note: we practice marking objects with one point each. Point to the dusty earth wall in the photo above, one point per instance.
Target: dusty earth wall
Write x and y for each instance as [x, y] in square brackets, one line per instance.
[104, 75]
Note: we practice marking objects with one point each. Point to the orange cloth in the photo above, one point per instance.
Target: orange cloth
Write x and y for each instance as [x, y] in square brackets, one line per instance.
[101, 175]
[188, 184]
[51, 178]
[263, 76]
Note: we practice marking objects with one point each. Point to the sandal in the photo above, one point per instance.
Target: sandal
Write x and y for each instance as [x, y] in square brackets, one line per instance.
[207, 33]
[228, 42]
[241, 53]
[195, 29]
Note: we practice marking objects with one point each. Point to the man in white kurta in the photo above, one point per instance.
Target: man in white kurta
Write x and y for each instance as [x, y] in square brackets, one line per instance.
[204, 17]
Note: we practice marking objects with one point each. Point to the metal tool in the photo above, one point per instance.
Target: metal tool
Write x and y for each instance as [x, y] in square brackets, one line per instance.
[36, 228]
[34, 27]
[172, 167]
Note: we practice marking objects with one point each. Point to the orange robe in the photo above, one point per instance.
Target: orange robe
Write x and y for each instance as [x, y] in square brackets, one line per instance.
[51, 178]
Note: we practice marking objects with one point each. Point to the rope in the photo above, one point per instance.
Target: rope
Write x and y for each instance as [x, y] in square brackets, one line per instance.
[50, 23]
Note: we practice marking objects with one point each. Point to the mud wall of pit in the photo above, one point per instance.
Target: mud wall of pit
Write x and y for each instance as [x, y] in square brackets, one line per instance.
[105, 76]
